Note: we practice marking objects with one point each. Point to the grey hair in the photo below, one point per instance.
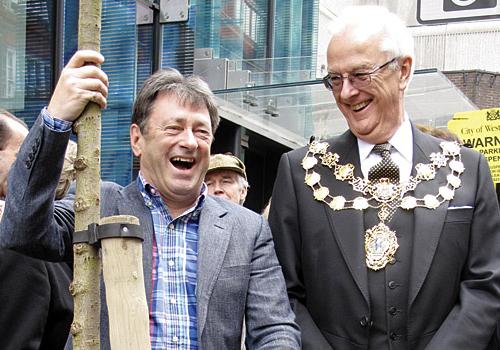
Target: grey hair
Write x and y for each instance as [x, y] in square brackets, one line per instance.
[242, 182]
[364, 23]
[189, 90]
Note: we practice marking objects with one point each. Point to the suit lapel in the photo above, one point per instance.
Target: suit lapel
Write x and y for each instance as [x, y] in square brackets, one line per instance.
[214, 234]
[132, 203]
[428, 222]
[347, 225]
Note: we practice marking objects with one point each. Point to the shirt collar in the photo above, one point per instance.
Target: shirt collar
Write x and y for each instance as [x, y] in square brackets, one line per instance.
[401, 141]
[149, 191]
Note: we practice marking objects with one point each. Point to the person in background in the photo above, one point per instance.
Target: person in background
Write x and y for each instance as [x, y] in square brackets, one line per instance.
[37, 308]
[389, 238]
[226, 178]
[440, 133]
[68, 173]
[208, 263]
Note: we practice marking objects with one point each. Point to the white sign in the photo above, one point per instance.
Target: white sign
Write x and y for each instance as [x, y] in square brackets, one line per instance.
[440, 11]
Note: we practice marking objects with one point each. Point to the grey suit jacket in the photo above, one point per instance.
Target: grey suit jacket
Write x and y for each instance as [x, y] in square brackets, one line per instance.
[454, 282]
[238, 273]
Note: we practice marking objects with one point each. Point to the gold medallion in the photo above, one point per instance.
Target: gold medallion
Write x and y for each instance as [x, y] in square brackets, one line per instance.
[380, 246]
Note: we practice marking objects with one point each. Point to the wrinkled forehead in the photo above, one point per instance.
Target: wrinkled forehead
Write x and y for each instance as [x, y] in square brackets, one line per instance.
[183, 98]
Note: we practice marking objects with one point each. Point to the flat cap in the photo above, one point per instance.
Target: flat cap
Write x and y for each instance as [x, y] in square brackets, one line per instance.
[226, 162]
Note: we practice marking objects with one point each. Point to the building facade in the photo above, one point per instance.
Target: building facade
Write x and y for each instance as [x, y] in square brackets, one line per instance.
[262, 58]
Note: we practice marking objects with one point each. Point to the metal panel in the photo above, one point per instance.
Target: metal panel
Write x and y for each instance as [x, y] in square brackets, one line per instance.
[458, 46]
[237, 79]
[144, 14]
[205, 52]
[174, 11]
[213, 71]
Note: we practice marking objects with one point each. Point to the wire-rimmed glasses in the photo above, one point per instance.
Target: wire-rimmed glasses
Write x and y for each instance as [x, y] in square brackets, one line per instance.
[334, 82]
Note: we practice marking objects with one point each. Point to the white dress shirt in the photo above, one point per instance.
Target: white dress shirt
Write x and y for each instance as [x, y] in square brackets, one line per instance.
[401, 153]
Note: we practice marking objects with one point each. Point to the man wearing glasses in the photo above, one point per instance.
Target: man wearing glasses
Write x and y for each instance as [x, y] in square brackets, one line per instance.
[388, 238]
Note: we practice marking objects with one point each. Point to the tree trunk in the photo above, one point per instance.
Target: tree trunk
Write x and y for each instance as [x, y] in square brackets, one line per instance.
[86, 281]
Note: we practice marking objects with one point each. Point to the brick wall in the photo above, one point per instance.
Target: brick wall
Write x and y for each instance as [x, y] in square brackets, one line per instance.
[481, 87]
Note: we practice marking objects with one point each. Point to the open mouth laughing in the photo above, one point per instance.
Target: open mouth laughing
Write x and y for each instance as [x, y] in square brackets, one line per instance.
[182, 163]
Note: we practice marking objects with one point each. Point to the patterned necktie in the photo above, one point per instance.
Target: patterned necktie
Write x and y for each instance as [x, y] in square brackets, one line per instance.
[385, 168]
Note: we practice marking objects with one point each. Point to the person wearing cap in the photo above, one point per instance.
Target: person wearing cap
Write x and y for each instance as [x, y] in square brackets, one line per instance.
[226, 177]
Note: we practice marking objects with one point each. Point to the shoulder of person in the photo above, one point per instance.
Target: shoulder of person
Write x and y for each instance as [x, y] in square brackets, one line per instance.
[334, 142]
[110, 186]
[233, 209]
[109, 191]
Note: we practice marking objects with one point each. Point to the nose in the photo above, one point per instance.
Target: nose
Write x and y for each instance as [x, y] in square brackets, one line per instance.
[189, 139]
[347, 90]
[218, 190]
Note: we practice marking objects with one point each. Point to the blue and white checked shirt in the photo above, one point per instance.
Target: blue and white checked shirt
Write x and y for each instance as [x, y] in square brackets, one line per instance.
[173, 319]
[55, 124]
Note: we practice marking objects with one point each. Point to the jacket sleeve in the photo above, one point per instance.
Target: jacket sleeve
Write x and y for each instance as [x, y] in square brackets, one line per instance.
[471, 322]
[33, 223]
[285, 226]
[269, 318]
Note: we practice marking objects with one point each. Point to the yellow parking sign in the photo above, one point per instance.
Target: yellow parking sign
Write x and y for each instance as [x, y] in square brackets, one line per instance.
[481, 130]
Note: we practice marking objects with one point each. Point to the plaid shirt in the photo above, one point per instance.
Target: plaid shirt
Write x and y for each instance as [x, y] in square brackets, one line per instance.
[55, 124]
[175, 253]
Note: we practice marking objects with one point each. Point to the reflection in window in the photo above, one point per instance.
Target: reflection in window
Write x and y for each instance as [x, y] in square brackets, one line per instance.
[10, 73]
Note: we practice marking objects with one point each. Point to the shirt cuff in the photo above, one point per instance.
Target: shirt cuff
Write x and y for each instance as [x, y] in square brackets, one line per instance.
[55, 124]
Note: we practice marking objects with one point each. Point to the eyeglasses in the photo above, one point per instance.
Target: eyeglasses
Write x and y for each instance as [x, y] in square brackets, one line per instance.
[335, 82]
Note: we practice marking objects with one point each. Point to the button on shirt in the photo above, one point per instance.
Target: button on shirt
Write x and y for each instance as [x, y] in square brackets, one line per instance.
[175, 253]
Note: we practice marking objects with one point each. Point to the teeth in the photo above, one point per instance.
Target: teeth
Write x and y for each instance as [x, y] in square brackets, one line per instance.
[358, 106]
[181, 159]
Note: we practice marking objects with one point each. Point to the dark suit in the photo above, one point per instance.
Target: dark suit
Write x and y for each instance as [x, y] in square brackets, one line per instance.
[453, 286]
[36, 307]
[238, 273]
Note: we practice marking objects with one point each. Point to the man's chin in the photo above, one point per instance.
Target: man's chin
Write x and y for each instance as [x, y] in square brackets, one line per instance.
[186, 188]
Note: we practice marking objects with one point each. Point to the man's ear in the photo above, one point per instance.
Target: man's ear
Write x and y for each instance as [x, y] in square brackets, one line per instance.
[136, 139]
[244, 191]
[405, 71]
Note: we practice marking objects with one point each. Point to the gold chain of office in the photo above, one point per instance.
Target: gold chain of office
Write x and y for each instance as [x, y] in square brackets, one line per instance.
[380, 241]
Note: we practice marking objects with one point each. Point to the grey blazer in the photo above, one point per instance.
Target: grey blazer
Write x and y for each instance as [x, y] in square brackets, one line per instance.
[238, 272]
[454, 279]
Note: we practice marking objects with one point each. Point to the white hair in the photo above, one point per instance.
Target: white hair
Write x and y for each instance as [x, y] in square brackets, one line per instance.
[242, 182]
[364, 23]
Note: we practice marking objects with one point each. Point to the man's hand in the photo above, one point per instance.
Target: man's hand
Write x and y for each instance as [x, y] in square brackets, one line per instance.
[81, 82]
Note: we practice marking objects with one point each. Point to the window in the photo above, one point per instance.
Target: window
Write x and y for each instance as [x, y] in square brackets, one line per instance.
[10, 73]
